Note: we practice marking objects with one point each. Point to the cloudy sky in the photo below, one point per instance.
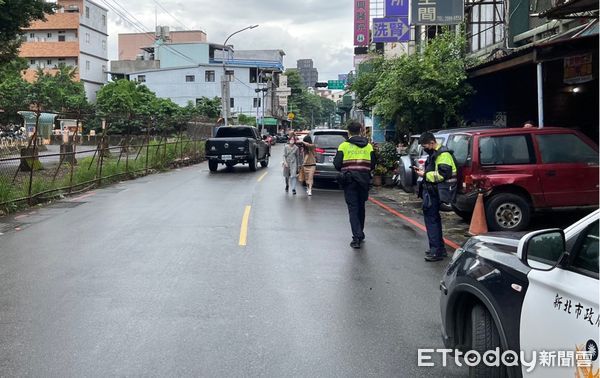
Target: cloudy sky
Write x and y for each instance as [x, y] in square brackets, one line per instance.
[317, 29]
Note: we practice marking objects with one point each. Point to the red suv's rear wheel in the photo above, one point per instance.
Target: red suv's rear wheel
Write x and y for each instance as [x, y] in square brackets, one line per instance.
[507, 212]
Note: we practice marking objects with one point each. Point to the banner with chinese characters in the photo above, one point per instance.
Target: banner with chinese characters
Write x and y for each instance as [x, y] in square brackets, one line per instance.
[437, 12]
[396, 8]
[391, 29]
[361, 22]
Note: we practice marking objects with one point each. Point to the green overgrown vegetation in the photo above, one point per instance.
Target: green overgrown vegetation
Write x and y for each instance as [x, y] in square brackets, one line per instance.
[421, 91]
[116, 167]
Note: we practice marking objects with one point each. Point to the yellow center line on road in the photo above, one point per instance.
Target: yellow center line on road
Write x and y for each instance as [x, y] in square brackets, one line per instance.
[244, 228]
[262, 176]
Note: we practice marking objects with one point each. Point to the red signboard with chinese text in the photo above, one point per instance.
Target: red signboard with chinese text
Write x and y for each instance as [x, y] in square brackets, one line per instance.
[362, 23]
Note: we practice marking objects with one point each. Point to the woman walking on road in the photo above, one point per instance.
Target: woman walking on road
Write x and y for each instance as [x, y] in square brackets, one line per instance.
[291, 163]
[310, 163]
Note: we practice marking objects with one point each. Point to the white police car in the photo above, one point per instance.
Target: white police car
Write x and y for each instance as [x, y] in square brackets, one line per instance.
[533, 296]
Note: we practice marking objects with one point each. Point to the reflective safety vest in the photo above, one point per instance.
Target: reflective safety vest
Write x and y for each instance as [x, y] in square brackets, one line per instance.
[445, 187]
[442, 155]
[356, 158]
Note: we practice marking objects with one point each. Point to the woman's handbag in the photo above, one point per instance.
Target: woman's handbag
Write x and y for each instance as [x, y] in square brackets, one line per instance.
[301, 177]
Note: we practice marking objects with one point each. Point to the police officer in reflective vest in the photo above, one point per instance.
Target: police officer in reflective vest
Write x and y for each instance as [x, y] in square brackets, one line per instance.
[438, 185]
[355, 159]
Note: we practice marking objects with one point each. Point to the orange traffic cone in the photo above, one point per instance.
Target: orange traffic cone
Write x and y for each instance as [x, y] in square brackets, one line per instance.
[478, 222]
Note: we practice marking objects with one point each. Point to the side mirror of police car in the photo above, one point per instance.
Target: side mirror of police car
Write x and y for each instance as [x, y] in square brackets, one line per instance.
[543, 250]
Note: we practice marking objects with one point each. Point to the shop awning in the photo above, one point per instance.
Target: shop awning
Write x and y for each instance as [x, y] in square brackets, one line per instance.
[580, 40]
[571, 9]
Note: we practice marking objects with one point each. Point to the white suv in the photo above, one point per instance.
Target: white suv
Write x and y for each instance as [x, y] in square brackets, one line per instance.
[534, 293]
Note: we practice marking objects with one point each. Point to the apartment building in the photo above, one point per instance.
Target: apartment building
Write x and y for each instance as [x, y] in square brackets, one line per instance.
[190, 71]
[76, 35]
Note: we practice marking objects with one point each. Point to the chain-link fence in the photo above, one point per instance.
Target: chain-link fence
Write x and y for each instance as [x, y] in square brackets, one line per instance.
[38, 170]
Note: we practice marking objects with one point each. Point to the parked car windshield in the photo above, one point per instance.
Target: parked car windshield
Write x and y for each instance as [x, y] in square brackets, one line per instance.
[565, 148]
[329, 140]
[235, 132]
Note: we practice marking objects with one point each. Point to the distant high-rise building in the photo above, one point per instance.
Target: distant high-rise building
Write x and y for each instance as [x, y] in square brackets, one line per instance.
[308, 73]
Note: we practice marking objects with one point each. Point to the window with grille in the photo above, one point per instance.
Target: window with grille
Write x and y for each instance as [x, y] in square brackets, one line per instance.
[486, 23]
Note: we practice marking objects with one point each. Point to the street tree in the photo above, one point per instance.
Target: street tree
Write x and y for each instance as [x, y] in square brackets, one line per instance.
[208, 107]
[167, 115]
[420, 91]
[246, 120]
[14, 90]
[370, 72]
[328, 108]
[15, 15]
[127, 105]
[58, 91]
[308, 108]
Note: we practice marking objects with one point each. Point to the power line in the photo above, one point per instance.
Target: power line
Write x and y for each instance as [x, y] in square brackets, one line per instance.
[144, 27]
[246, 85]
[140, 26]
[169, 13]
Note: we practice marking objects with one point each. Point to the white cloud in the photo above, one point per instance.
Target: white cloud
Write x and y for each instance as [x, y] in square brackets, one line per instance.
[317, 29]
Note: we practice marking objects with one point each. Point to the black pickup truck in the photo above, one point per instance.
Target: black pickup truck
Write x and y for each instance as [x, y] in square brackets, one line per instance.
[237, 145]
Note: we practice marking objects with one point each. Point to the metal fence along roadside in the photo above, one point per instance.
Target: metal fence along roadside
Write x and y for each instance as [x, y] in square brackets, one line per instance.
[43, 170]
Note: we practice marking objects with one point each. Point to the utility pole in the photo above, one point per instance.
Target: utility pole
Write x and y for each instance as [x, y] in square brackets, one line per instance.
[225, 80]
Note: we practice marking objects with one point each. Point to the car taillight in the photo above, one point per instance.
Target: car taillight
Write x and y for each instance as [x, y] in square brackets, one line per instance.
[319, 150]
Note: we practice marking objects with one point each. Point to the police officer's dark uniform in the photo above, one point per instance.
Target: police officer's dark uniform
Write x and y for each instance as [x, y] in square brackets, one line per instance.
[355, 160]
[438, 185]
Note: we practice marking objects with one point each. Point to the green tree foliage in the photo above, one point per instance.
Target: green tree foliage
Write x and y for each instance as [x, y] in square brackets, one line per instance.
[209, 107]
[419, 91]
[57, 91]
[14, 91]
[131, 107]
[309, 109]
[52, 91]
[14, 16]
[246, 120]
[370, 72]
[328, 108]
[167, 115]
[126, 105]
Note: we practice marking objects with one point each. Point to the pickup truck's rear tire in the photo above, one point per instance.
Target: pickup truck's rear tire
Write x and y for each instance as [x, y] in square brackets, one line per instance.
[253, 163]
[213, 165]
[265, 163]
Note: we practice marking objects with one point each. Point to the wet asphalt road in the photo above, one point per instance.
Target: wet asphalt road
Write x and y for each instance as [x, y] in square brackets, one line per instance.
[147, 278]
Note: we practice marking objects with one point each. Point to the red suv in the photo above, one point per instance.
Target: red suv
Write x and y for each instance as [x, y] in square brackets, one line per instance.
[524, 170]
